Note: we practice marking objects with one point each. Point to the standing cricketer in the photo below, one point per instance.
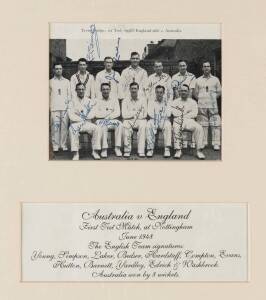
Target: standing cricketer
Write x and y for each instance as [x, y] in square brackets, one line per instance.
[160, 78]
[207, 90]
[59, 98]
[84, 77]
[108, 75]
[134, 73]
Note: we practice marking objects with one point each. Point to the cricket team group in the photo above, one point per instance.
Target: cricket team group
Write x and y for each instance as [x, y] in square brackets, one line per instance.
[134, 101]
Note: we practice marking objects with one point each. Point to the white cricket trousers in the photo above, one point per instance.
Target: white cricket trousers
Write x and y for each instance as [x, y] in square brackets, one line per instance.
[59, 128]
[128, 126]
[93, 130]
[115, 125]
[190, 125]
[151, 131]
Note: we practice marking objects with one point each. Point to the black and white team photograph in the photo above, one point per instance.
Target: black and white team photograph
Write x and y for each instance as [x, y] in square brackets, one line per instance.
[135, 92]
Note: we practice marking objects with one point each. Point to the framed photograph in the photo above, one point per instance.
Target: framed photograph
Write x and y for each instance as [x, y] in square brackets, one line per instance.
[132, 139]
[148, 91]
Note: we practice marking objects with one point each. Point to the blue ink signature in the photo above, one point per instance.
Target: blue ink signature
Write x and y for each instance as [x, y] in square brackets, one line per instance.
[132, 125]
[178, 136]
[57, 123]
[106, 122]
[94, 43]
[117, 54]
[158, 117]
[83, 115]
[112, 77]
[151, 135]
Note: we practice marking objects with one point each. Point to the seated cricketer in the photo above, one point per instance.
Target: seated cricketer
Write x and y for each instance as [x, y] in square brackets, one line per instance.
[107, 110]
[81, 111]
[185, 110]
[159, 112]
[134, 113]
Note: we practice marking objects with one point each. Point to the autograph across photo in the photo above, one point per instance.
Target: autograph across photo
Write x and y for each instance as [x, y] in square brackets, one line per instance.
[135, 92]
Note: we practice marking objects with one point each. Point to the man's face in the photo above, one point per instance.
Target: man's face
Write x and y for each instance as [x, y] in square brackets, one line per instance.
[82, 66]
[182, 67]
[206, 68]
[184, 92]
[108, 64]
[105, 91]
[135, 60]
[58, 70]
[134, 91]
[159, 94]
[158, 68]
[80, 91]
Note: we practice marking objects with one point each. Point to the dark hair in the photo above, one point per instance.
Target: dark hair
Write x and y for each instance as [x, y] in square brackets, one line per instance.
[134, 53]
[160, 87]
[82, 60]
[105, 83]
[79, 83]
[134, 83]
[108, 57]
[182, 60]
[206, 61]
[57, 64]
[185, 86]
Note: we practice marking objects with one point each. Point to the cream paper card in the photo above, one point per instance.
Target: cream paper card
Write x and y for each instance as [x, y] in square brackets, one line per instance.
[26, 175]
[134, 242]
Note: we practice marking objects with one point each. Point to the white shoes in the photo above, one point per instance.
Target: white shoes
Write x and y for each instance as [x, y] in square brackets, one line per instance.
[216, 147]
[104, 153]
[178, 154]
[64, 148]
[95, 155]
[200, 155]
[150, 153]
[118, 152]
[167, 152]
[55, 149]
[76, 156]
[126, 154]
